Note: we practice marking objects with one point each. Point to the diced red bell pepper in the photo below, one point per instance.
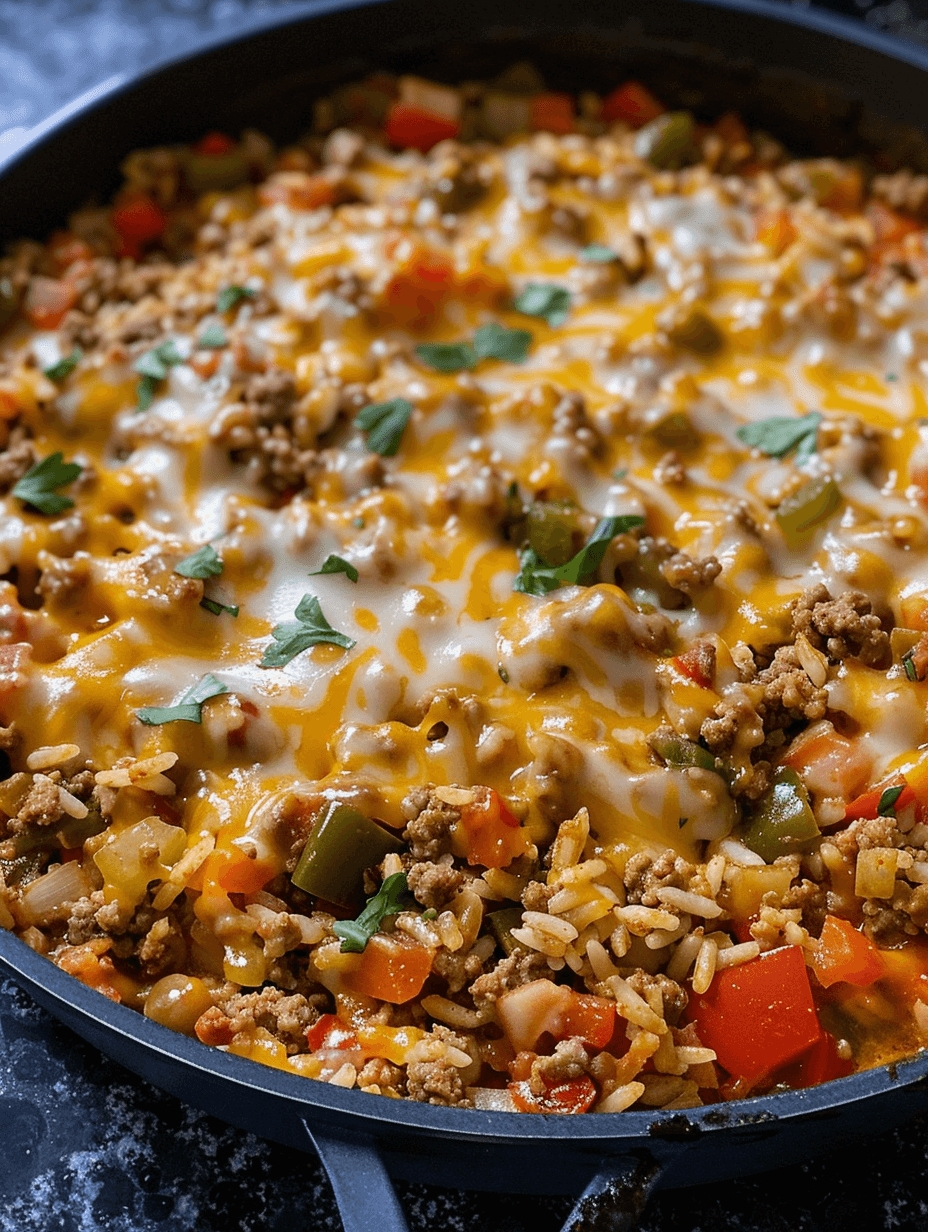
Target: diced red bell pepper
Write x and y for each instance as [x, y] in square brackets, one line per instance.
[819, 1064]
[633, 103]
[419, 286]
[391, 969]
[214, 144]
[414, 128]
[138, 220]
[592, 1018]
[575, 1095]
[330, 1032]
[844, 955]
[868, 804]
[552, 113]
[759, 1016]
[492, 834]
[690, 664]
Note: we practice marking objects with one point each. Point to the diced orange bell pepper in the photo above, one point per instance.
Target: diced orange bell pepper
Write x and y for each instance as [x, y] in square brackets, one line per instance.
[94, 970]
[492, 835]
[575, 1095]
[330, 1032]
[409, 127]
[844, 955]
[775, 229]
[48, 301]
[759, 1016]
[632, 103]
[391, 969]
[244, 876]
[552, 113]
[297, 190]
[591, 1018]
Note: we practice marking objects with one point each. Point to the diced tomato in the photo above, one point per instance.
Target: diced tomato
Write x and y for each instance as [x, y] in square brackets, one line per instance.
[297, 190]
[692, 665]
[138, 221]
[552, 113]
[330, 1032]
[391, 969]
[214, 144]
[492, 835]
[632, 103]
[868, 804]
[591, 1018]
[414, 128]
[775, 229]
[575, 1095]
[48, 300]
[759, 1016]
[419, 286]
[844, 955]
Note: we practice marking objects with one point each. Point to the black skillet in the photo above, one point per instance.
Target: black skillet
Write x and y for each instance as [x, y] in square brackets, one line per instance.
[821, 83]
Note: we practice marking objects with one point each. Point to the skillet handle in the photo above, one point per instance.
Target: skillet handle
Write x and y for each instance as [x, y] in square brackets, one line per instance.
[613, 1201]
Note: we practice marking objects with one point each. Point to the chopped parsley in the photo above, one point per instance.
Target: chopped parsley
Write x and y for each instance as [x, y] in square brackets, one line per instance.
[190, 707]
[335, 564]
[217, 608]
[37, 486]
[600, 254]
[385, 423]
[546, 300]
[294, 636]
[887, 804]
[64, 367]
[776, 437]
[232, 295]
[447, 356]
[537, 578]
[203, 563]
[390, 899]
[213, 338]
[153, 367]
[495, 341]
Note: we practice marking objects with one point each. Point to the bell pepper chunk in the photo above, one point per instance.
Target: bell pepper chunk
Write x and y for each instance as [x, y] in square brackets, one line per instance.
[390, 969]
[489, 833]
[575, 1095]
[341, 845]
[633, 103]
[330, 1032]
[759, 1016]
[591, 1018]
[415, 128]
[844, 955]
[783, 821]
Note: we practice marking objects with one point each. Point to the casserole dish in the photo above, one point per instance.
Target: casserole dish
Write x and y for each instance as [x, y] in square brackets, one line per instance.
[838, 126]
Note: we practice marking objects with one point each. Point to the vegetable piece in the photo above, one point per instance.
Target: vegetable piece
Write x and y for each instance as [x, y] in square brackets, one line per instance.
[213, 338]
[389, 900]
[681, 753]
[758, 1016]
[545, 300]
[667, 141]
[526, 1013]
[494, 341]
[417, 289]
[385, 423]
[215, 608]
[632, 103]
[573, 1096]
[775, 229]
[51, 896]
[75, 831]
[138, 220]
[692, 664]
[341, 845]
[591, 1018]
[598, 254]
[153, 367]
[309, 629]
[190, 707]
[237, 873]
[800, 514]
[550, 529]
[215, 164]
[391, 969]
[875, 872]
[203, 563]
[501, 923]
[844, 955]
[391, 1043]
[409, 127]
[697, 332]
[776, 437]
[64, 367]
[537, 578]
[502, 114]
[818, 1064]
[492, 836]
[782, 821]
[335, 564]
[447, 356]
[552, 113]
[37, 487]
[177, 1001]
[231, 296]
[48, 300]
[330, 1032]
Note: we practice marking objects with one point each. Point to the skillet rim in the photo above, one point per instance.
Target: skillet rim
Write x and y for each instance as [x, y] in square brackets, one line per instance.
[33, 971]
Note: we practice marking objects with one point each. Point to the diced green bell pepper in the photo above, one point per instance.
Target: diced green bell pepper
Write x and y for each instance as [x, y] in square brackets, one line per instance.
[681, 753]
[801, 513]
[342, 844]
[215, 172]
[782, 821]
[502, 923]
[551, 527]
[697, 332]
[667, 142]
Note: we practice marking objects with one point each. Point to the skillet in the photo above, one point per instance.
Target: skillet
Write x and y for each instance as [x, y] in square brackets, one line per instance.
[821, 83]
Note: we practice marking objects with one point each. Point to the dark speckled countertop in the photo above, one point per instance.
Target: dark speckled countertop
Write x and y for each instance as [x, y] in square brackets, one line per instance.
[87, 1147]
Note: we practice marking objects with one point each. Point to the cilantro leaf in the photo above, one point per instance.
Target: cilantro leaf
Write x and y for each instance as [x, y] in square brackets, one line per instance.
[389, 900]
[153, 367]
[534, 576]
[335, 564]
[37, 486]
[203, 563]
[600, 254]
[385, 423]
[213, 337]
[537, 578]
[217, 608]
[776, 437]
[447, 356]
[887, 804]
[544, 299]
[64, 367]
[232, 295]
[494, 341]
[294, 636]
[190, 707]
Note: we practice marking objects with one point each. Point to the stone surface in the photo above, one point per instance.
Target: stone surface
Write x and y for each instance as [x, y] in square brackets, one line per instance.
[89, 1148]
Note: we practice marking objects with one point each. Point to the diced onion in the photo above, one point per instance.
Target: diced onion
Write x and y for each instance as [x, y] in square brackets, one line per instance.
[51, 896]
[487, 1099]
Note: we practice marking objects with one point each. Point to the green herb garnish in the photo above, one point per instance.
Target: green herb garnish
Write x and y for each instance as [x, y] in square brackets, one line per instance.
[213, 338]
[203, 563]
[309, 629]
[335, 564]
[537, 578]
[447, 356]
[908, 663]
[190, 707]
[64, 367]
[229, 296]
[389, 900]
[37, 486]
[546, 300]
[153, 367]
[385, 423]
[887, 804]
[778, 436]
[217, 608]
[495, 341]
[600, 254]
